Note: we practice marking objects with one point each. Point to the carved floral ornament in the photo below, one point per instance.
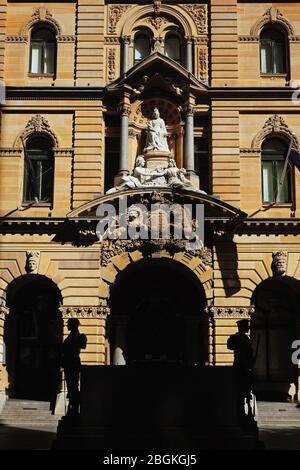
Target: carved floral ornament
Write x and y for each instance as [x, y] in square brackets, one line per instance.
[230, 312]
[84, 312]
[41, 15]
[37, 125]
[272, 15]
[115, 12]
[199, 14]
[273, 125]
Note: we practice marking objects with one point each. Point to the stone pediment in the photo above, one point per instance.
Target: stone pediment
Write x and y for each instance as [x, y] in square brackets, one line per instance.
[214, 209]
[157, 64]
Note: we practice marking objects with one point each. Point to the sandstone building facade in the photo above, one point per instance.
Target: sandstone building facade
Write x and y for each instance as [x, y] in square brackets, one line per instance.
[82, 78]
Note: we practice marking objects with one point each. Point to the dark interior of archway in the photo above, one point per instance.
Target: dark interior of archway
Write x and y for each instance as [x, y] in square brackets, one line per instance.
[33, 338]
[273, 330]
[163, 301]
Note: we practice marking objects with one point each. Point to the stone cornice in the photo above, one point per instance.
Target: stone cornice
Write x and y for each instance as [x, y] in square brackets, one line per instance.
[58, 152]
[66, 38]
[10, 152]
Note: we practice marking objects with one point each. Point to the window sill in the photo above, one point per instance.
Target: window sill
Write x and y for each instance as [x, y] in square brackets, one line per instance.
[273, 75]
[36, 204]
[41, 75]
[277, 204]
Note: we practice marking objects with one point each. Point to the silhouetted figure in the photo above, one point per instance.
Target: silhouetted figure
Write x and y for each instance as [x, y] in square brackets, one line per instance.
[71, 364]
[243, 363]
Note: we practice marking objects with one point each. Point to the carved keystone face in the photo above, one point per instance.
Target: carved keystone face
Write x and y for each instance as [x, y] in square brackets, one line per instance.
[32, 264]
[280, 261]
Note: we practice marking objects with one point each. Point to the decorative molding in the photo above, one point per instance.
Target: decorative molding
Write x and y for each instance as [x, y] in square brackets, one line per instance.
[66, 38]
[295, 38]
[158, 22]
[125, 109]
[38, 125]
[248, 39]
[111, 64]
[4, 311]
[157, 6]
[111, 248]
[203, 75]
[19, 39]
[41, 15]
[115, 12]
[84, 312]
[10, 152]
[199, 15]
[63, 153]
[273, 125]
[201, 40]
[272, 15]
[250, 152]
[108, 40]
[230, 312]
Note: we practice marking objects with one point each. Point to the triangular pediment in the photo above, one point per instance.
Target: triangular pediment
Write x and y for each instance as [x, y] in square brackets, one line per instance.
[154, 65]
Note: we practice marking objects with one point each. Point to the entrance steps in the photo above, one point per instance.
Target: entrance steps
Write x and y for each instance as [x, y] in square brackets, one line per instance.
[27, 425]
[278, 414]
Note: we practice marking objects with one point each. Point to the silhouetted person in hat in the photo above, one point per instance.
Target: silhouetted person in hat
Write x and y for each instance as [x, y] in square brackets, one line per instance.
[71, 364]
[243, 363]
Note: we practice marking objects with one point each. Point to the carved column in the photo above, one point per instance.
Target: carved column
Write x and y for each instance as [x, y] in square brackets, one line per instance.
[120, 324]
[125, 55]
[189, 54]
[189, 140]
[123, 165]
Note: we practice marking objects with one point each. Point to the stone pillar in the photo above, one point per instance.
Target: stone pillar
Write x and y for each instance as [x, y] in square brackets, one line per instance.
[189, 141]
[189, 54]
[123, 165]
[120, 325]
[192, 340]
[125, 55]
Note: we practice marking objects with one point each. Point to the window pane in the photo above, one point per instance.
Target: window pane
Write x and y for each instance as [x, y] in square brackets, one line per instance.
[38, 171]
[263, 58]
[141, 48]
[267, 181]
[36, 58]
[283, 193]
[49, 57]
[172, 48]
[272, 52]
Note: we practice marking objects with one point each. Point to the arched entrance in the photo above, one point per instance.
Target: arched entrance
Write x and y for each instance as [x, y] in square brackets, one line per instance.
[274, 327]
[33, 336]
[157, 315]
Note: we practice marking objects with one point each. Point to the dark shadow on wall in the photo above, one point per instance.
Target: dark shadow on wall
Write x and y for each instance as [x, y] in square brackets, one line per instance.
[227, 259]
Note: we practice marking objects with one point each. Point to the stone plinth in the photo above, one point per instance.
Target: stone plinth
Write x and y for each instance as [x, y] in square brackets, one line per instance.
[158, 406]
[157, 158]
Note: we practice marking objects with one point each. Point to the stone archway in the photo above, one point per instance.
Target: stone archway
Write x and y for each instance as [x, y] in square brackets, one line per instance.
[274, 327]
[157, 314]
[33, 334]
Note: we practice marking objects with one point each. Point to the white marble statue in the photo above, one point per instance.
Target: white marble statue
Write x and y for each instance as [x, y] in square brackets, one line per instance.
[140, 177]
[176, 178]
[156, 134]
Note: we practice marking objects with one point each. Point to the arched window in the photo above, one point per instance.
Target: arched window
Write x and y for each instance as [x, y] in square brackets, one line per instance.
[173, 47]
[42, 51]
[38, 170]
[272, 52]
[141, 47]
[274, 152]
